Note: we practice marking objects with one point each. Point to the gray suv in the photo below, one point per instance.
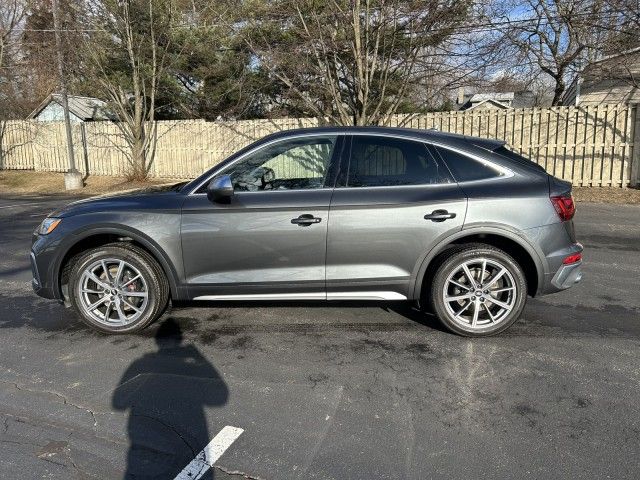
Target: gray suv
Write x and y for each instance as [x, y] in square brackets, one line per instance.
[461, 226]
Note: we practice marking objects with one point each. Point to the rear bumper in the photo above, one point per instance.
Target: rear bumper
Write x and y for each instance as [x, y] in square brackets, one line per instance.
[567, 276]
[560, 276]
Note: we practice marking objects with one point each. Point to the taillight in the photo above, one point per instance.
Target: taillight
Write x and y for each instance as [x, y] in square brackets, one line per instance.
[574, 258]
[564, 206]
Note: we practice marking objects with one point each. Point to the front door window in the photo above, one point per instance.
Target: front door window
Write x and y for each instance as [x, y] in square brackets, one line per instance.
[297, 164]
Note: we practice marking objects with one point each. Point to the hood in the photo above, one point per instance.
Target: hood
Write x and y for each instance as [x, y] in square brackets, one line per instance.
[148, 198]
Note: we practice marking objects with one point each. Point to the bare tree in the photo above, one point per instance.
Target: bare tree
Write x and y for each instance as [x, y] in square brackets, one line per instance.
[12, 14]
[619, 45]
[352, 62]
[622, 25]
[555, 36]
[128, 53]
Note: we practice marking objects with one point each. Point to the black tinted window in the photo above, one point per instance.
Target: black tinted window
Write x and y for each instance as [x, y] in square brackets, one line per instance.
[465, 169]
[505, 152]
[382, 161]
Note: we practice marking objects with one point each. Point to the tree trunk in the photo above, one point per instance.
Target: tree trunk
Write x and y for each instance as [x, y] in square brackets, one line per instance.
[138, 151]
[558, 91]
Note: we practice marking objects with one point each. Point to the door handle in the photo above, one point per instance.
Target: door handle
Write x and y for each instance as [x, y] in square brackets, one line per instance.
[439, 216]
[305, 220]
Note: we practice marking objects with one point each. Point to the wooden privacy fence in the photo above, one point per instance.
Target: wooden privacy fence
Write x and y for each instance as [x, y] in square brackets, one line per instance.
[592, 145]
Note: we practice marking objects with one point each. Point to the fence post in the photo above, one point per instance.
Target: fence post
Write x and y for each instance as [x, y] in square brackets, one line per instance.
[634, 180]
[85, 150]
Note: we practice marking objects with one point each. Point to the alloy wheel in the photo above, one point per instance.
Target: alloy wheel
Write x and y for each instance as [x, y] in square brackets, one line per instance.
[113, 292]
[479, 293]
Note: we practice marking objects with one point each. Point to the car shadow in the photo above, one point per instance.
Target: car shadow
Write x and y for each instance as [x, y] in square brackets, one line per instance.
[415, 314]
[165, 393]
[417, 317]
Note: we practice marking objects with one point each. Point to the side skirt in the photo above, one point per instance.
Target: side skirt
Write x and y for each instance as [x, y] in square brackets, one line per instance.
[382, 295]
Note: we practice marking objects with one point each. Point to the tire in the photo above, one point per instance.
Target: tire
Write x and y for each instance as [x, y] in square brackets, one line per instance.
[139, 297]
[497, 290]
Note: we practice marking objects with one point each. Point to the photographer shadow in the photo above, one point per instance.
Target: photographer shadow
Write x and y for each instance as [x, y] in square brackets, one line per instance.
[166, 392]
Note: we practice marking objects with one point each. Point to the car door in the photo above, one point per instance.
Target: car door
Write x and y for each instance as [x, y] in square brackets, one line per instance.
[269, 240]
[393, 202]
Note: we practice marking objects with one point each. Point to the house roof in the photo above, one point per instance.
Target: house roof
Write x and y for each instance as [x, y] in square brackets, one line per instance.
[85, 108]
[615, 55]
[487, 103]
[521, 99]
[497, 97]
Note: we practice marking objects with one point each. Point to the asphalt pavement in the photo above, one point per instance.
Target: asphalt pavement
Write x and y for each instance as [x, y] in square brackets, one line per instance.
[327, 391]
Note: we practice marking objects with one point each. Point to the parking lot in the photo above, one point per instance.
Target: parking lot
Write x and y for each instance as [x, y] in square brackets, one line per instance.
[327, 391]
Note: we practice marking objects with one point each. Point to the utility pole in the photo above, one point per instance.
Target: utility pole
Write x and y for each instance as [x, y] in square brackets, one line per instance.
[73, 178]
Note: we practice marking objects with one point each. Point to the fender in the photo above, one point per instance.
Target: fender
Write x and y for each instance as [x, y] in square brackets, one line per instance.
[490, 229]
[147, 242]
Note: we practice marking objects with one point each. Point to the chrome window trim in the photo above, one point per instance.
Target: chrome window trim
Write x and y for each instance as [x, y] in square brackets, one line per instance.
[420, 185]
[504, 171]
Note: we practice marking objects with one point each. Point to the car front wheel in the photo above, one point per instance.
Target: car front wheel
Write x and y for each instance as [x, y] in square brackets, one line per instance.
[478, 290]
[118, 288]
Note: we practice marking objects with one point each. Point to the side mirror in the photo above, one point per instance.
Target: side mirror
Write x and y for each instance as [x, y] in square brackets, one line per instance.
[220, 189]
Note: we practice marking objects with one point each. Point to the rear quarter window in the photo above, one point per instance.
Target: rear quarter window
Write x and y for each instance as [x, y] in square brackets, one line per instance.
[519, 159]
[464, 168]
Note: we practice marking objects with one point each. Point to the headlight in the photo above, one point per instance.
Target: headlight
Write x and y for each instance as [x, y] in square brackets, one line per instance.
[48, 225]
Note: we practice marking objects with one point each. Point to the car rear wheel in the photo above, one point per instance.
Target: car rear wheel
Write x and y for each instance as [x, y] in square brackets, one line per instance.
[478, 290]
[118, 288]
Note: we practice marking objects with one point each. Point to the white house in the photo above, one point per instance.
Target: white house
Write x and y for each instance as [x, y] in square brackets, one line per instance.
[81, 109]
[611, 79]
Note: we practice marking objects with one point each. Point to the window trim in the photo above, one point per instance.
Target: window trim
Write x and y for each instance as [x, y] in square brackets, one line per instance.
[507, 173]
[503, 172]
[341, 181]
[345, 151]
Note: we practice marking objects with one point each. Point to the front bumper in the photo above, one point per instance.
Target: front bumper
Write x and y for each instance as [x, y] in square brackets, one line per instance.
[40, 288]
[34, 271]
[43, 258]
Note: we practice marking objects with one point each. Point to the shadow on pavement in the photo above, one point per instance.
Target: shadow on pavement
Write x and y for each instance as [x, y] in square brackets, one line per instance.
[166, 393]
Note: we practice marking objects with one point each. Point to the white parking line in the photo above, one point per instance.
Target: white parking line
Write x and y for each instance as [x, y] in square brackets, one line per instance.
[21, 205]
[210, 454]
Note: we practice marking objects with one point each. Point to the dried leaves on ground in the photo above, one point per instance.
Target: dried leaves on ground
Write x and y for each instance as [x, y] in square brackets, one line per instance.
[607, 195]
[16, 182]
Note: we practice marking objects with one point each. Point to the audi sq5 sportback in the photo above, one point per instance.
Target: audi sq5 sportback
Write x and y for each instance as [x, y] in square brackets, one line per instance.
[461, 226]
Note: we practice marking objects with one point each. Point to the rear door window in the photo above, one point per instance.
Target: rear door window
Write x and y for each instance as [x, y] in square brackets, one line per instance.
[464, 168]
[383, 161]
